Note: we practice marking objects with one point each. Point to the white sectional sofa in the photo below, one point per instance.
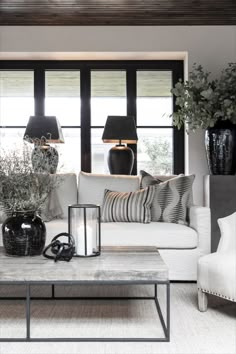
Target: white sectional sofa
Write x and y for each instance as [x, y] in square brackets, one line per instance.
[179, 245]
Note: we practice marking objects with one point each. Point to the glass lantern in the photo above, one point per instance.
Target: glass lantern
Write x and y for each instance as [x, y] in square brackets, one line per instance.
[84, 226]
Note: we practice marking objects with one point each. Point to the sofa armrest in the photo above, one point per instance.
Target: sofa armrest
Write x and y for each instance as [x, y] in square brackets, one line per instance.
[200, 220]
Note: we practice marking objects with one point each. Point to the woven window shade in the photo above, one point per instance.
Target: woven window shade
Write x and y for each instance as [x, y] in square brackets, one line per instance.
[16, 84]
[108, 83]
[154, 83]
[62, 83]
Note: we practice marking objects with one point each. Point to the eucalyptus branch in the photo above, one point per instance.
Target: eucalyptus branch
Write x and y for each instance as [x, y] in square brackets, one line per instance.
[203, 102]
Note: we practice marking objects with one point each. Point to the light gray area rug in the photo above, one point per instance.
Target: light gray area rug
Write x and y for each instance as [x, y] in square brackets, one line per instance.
[192, 332]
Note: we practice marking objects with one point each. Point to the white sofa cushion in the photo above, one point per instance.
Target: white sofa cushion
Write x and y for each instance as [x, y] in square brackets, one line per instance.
[91, 186]
[159, 234]
[55, 227]
[67, 191]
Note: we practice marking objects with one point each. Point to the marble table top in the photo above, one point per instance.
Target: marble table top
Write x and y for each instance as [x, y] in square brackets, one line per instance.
[115, 264]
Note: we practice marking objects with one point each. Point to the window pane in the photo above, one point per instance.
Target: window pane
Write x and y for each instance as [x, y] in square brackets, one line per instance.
[11, 138]
[99, 152]
[69, 152]
[154, 151]
[108, 95]
[63, 96]
[16, 97]
[154, 99]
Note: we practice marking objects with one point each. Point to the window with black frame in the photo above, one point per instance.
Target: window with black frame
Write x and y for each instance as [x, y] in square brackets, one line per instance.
[81, 95]
[155, 130]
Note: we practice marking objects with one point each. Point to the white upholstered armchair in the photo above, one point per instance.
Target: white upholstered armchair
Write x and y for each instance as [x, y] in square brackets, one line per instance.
[217, 271]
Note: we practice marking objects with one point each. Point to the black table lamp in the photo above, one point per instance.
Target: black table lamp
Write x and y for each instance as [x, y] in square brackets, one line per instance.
[42, 130]
[120, 130]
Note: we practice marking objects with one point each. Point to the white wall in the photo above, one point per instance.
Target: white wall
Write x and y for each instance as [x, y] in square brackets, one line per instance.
[211, 46]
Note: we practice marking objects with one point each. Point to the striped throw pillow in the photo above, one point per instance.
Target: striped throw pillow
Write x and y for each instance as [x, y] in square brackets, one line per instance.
[128, 206]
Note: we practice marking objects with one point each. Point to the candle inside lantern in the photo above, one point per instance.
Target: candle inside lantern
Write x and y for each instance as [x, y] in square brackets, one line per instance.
[84, 248]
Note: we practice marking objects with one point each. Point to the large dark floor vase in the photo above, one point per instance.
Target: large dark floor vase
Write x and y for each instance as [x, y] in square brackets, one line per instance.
[221, 148]
[24, 234]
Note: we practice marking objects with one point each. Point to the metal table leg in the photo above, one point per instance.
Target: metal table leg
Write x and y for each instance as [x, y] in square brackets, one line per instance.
[168, 310]
[165, 324]
[28, 311]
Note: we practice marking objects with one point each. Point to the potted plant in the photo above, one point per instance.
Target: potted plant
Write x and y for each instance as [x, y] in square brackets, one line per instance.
[22, 194]
[211, 105]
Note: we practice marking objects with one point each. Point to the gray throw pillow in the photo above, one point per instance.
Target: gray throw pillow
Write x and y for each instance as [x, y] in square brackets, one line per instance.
[128, 206]
[148, 180]
[51, 209]
[172, 199]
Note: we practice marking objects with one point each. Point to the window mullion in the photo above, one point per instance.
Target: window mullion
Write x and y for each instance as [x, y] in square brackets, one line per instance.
[85, 92]
[131, 106]
[178, 134]
[39, 91]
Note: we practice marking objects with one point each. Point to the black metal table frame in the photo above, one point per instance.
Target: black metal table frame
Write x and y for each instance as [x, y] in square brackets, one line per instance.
[28, 298]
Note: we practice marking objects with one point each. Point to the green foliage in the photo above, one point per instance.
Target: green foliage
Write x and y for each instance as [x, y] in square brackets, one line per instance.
[21, 189]
[160, 156]
[203, 102]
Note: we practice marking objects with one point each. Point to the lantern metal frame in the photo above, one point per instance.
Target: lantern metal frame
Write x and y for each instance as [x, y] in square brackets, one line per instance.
[98, 237]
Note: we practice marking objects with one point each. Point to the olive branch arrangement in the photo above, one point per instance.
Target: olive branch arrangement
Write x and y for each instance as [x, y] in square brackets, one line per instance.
[21, 189]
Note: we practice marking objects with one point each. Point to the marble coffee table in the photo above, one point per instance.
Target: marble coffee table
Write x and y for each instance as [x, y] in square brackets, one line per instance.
[115, 266]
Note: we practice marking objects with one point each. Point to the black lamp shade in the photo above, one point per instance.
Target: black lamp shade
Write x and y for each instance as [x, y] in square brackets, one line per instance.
[120, 129]
[44, 126]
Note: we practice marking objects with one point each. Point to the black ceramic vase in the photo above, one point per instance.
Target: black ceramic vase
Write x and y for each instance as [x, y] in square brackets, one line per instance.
[24, 234]
[220, 144]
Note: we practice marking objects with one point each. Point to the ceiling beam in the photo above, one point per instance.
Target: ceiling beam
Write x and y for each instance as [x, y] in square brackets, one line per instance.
[117, 12]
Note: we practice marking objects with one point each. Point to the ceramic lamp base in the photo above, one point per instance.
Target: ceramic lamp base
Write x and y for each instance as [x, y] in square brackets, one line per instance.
[120, 160]
[45, 159]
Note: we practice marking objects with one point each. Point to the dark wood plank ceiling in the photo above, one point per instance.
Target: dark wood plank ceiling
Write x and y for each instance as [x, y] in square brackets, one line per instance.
[117, 12]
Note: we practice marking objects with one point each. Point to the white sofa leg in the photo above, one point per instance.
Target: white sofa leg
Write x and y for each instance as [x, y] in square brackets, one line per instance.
[202, 300]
